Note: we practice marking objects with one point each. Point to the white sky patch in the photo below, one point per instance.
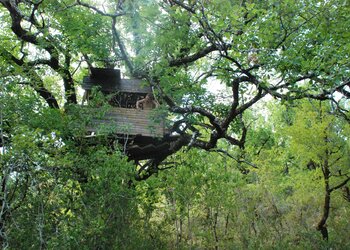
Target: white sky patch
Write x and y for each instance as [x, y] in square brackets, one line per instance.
[215, 87]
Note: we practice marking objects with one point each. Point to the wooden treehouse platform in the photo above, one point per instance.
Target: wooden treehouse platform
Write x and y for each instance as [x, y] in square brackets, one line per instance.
[141, 132]
[132, 122]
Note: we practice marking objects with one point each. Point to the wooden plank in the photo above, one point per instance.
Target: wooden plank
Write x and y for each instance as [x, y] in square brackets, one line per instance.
[130, 121]
[134, 86]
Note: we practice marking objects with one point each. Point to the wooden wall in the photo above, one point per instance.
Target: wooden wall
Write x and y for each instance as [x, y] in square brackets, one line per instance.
[131, 122]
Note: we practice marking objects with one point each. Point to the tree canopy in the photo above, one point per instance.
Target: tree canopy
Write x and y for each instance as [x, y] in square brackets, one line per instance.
[246, 84]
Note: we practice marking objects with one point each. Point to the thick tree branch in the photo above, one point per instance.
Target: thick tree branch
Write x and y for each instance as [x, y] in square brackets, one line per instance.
[16, 27]
[212, 118]
[340, 184]
[35, 81]
[116, 36]
[235, 93]
[256, 98]
[192, 58]
[43, 92]
[45, 42]
[121, 47]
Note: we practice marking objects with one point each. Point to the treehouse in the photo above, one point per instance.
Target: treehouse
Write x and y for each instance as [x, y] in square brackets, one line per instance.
[140, 131]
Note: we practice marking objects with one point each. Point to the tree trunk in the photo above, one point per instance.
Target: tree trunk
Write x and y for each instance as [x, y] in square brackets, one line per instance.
[214, 226]
[322, 226]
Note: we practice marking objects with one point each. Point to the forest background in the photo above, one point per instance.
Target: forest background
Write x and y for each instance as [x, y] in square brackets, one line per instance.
[261, 162]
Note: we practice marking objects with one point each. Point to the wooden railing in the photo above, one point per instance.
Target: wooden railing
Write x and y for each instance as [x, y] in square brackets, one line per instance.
[131, 122]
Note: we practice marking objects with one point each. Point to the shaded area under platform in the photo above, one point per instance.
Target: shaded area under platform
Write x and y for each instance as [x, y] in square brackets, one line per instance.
[140, 150]
[137, 147]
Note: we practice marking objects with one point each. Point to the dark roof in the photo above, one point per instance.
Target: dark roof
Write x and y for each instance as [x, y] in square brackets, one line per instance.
[109, 80]
[103, 72]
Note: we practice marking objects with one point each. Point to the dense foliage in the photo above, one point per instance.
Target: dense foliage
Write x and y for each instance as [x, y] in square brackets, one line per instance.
[256, 91]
